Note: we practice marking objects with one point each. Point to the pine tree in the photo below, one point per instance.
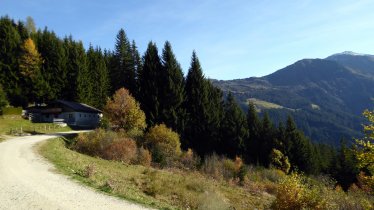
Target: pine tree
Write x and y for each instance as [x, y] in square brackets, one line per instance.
[76, 64]
[196, 106]
[252, 143]
[54, 66]
[172, 93]
[98, 76]
[123, 71]
[149, 85]
[84, 82]
[299, 149]
[10, 41]
[267, 140]
[234, 128]
[204, 108]
[137, 65]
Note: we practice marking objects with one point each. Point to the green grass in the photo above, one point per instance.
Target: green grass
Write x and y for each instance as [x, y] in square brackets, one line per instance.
[260, 104]
[163, 189]
[16, 122]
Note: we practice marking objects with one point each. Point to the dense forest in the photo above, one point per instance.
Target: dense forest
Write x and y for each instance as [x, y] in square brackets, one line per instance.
[37, 66]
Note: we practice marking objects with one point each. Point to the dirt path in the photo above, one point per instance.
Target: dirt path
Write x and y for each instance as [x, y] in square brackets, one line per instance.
[27, 182]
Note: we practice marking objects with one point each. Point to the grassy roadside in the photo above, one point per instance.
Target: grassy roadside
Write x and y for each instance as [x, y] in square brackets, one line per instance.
[161, 189]
[15, 122]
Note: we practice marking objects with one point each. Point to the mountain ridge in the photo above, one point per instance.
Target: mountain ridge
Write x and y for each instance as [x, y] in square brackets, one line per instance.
[327, 95]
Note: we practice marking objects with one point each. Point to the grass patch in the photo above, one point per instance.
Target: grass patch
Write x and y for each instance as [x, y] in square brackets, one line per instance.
[14, 123]
[262, 105]
[163, 189]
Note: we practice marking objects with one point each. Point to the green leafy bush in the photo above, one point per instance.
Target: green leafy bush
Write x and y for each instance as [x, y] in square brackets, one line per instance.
[279, 161]
[164, 145]
[12, 110]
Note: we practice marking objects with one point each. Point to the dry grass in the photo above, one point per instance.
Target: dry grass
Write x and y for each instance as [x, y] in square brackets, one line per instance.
[164, 189]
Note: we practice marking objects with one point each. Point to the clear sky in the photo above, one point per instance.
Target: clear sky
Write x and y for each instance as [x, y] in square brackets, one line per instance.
[233, 39]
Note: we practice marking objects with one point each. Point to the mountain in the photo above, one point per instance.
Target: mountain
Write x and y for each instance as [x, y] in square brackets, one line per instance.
[325, 96]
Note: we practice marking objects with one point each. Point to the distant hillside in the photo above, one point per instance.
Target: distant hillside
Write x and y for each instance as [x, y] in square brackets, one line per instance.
[325, 96]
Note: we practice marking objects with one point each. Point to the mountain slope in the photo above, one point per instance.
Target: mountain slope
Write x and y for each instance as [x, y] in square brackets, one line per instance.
[325, 96]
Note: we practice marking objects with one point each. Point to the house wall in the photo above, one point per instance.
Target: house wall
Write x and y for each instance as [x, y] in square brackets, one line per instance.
[84, 119]
[81, 119]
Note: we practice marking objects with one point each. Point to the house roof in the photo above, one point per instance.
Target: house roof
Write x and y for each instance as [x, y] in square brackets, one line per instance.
[80, 107]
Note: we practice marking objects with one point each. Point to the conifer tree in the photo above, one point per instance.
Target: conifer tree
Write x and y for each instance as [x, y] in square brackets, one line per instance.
[123, 71]
[84, 82]
[137, 65]
[98, 76]
[234, 128]
[149, 84]
[204, 108]
[299, 149]
[54, 66]
[76, 65]
[172, 93]
[196, 106]
[10, 41]
[252, 143]
[267, 139]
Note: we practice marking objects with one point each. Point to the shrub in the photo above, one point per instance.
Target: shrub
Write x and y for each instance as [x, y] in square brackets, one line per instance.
[279, 161]
[225, 168]
[294, 193]
[93, 143]
[164, 144]
[3, 99]
[190, 160]
[12, 110]
[144, 157]
[123, 112]
[123, 150]
[212, 166]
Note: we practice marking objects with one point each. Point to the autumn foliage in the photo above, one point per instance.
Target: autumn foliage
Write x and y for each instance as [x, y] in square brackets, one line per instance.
[123, 112]
[163, 143]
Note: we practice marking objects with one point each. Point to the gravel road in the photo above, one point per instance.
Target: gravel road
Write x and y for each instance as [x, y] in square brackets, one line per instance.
[27, 181]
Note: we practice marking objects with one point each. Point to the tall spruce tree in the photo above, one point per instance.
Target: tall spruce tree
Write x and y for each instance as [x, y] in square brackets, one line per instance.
[234, 128]
[54, 66]
[299, 149]
[137, 65]
[172, 94]
[196, 106]
[204, 108]
[149, 84]
[84, 82]
[10, 42]
[267, 139]
[122, 71]
[69, 91]
[98, 76]
[252, 144]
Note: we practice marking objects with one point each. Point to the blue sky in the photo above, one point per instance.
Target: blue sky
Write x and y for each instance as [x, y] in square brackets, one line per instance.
[233, 39]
